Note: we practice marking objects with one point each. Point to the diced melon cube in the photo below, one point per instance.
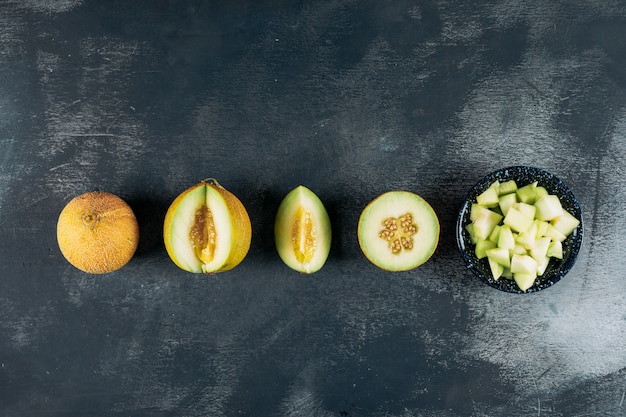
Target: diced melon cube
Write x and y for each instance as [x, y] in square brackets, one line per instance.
[548, 207]
[527, 239]
[554, 234]
[566, 223]
[506, 201]
[475, 209]
[527, 194]
[540, 250]
[524, 281]
[506, 240]
[519, 230]
[542, 265]
[472, 234]
[489, 197]
[523, 264]
[495, 234]
[507, 187]
[519, 250]
[541, 227]
[484, 222]
[481, 248]
[555, 250]
[541, 191]
[499, 255]
[496, 269]
[517, 221]
[507, 273]
[527, 210]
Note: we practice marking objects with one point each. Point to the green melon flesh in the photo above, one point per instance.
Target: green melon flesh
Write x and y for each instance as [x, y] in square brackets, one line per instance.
[186, 254]
[398, 231]
[302, 231]
[519, 244]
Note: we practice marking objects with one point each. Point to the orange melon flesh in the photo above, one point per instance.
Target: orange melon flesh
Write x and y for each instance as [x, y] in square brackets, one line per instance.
[207, 229]
[302, 231]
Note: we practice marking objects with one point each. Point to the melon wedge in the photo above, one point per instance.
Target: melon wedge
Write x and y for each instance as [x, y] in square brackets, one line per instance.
[302, 231]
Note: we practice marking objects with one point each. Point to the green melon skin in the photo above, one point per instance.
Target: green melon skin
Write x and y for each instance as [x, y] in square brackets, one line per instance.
[302, 231]
[394, 205]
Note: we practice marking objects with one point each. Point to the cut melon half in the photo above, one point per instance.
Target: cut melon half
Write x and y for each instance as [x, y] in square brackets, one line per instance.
[207, 229]
[398, 231]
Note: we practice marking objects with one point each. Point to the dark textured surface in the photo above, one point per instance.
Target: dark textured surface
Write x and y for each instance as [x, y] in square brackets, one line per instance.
[351, 99]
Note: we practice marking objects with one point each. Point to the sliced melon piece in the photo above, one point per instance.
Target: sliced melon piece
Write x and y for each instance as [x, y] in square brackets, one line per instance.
[496, 269]
[555, 249]
[302, 231]
[484, 221]
[499, 255]
[519, 250]
[470, 230]
[566, 223]
[507, 273]
[495, 234]
[507, 187]
[548, 207]
[528, 193]
[527, 210]
[523, 264]
[542, 265]
[541, 227]
[527, 239]
[524, 281]
[507, 201]
[517, 221]
[398, 231]
[489, 197]
[482, 246]
[540, 249]
[506, 239]
[553, 233]
[540, 192]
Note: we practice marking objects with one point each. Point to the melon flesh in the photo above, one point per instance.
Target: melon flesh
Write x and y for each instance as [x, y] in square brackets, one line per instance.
[398, 231]
[191, 245]
[207, 229]
[521, 233]
[302, 231]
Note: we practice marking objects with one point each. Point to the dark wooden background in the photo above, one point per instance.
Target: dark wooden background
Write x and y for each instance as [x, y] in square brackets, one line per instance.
[350, 98]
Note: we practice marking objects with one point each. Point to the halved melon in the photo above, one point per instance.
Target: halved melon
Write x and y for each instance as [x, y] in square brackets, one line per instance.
[207, 229]
[302, 231]
[398, 231]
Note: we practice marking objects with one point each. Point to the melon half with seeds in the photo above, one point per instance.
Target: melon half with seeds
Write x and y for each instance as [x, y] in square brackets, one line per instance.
[97, 232]
[302, 231]
[207, 229]
[398, 231]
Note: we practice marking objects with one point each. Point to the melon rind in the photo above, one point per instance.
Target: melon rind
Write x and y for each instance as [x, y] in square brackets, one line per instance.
[105, 245]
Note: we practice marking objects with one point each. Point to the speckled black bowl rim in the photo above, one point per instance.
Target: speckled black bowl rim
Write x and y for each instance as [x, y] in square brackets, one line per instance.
[557, 268]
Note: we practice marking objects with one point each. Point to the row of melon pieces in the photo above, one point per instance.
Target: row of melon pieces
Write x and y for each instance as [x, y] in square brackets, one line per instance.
[207, 230]
[519, 230]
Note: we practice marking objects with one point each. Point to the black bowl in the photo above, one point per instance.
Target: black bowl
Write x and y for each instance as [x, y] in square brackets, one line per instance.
[557, 268]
